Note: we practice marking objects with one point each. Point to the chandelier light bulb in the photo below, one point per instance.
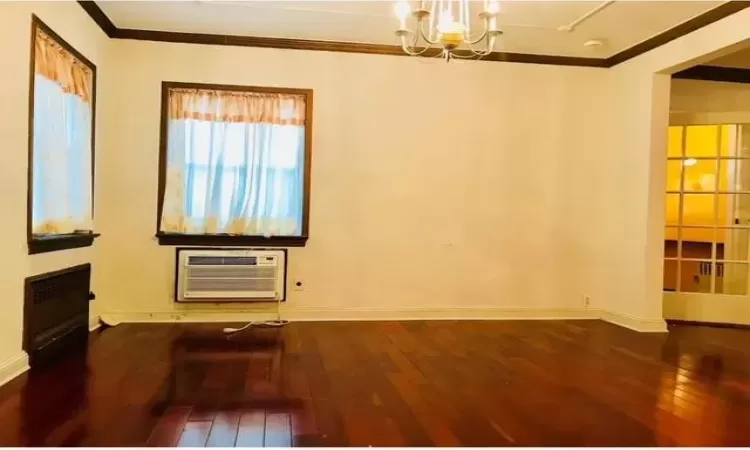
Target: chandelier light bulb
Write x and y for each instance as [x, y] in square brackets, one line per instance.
[494, 7]
[402, 10]
[451, 32]
[446, 20]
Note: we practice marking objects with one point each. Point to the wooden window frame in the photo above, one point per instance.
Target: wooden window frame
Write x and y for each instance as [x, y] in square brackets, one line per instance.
[51, 243]
[227, 239]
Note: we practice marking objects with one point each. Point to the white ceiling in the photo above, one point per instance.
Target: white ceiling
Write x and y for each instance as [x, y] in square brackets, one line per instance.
[530, 26]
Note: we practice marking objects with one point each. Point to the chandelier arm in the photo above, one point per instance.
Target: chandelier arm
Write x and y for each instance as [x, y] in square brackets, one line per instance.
[477, 56]
[484, 33]
[473, 52]
[473, 55]
[421, 52]
[411, 51]
[491, 41]
[402, 34]
[429, 59]
[416, 37]
[488, 48]
[404, 46]
[420, 26]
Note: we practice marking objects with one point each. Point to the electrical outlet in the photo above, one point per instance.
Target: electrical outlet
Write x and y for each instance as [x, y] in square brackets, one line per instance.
[298, 285]
[586, 301]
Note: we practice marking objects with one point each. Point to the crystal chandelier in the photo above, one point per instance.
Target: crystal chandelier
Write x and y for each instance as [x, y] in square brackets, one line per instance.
[447, 24]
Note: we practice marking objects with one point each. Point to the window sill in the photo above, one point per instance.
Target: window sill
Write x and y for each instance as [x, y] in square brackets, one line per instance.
[53, 243]
[230, 240]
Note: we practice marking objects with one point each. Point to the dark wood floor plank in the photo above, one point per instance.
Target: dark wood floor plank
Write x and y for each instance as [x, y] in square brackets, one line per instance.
[195, 434]
[252, 429]
[168, 430]
[278, 430]
[224, 429]
[440, 383]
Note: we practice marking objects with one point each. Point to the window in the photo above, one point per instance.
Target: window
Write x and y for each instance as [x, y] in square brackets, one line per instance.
[61, 144]
[234, 165]
[707, 236]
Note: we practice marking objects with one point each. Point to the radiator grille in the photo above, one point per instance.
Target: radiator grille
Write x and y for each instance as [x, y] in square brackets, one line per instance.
[71, 285]
[56, 312]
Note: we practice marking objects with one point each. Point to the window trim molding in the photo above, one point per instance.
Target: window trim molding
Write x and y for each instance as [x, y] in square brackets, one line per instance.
[53, 243]
[63, 241]
[226, 239]
[212, 240]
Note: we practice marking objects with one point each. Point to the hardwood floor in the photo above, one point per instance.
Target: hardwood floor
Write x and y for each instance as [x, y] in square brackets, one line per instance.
[438, 383]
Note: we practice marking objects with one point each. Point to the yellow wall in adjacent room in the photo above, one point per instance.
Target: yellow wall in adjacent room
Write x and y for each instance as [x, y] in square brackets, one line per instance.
[700, 141]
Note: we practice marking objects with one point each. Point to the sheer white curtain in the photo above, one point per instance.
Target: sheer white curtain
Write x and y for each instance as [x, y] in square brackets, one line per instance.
[230, 171]
[61, 185]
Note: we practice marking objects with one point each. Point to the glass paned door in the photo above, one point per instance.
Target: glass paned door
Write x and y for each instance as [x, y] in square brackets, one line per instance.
[707, 240]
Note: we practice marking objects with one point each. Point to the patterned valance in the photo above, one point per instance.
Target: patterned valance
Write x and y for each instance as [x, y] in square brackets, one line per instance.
[55, 63]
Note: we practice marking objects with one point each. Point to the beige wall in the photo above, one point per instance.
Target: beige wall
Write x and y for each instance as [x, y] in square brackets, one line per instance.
[615, 178]
[622, 273]
[633, 201]
[437, 190]
[72, 23]
[697, 102]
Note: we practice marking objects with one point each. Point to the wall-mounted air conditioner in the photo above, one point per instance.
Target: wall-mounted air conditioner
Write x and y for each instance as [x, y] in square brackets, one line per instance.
[216, 275]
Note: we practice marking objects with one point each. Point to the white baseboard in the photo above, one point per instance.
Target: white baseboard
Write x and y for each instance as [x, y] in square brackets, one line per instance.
[94, 323]
[13, 367]
[634, 323]
[363, 314]
[699, 307]
[194, 314]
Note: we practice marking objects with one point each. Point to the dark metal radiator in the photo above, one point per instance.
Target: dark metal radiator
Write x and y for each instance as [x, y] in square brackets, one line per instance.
[56, 313]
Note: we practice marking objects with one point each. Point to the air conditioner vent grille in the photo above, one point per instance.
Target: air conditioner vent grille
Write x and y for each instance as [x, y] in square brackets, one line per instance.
[231, 272]
[230, 284]
[222, 260]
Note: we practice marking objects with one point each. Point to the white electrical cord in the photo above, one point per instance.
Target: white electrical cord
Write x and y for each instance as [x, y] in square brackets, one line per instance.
[277, 323]
[109, 321]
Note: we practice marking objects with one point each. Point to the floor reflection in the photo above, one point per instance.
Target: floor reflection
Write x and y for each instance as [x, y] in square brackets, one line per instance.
[54, 402]
[545, 383]
[692, 392]
[225, 386]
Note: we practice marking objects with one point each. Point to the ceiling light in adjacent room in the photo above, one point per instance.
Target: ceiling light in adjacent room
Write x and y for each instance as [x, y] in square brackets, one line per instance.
[445, 28]
[690, 162]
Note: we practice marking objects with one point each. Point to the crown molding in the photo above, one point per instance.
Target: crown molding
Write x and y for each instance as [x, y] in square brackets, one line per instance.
[715, 73]
[700, 21]
[335, 46]
[707, 18]
[101, 19]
